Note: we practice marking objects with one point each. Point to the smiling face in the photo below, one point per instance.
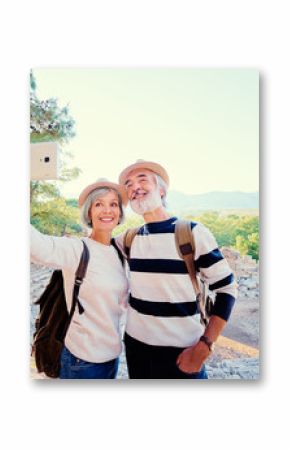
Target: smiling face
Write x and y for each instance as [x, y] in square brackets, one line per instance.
[105, 212]
[143, 192]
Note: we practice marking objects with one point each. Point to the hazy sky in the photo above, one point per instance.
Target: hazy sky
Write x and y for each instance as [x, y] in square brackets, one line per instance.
[202, 125]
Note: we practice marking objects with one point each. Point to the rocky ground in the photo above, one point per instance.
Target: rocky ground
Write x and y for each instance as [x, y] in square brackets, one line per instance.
[236, 355]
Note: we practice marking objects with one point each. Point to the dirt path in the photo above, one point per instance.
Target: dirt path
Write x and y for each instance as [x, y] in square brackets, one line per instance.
[243, 325]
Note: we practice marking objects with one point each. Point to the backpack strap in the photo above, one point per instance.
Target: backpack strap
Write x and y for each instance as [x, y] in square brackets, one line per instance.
[79, 277]
[185, 245]
[119, 252]
[128, 240]
[83, 264]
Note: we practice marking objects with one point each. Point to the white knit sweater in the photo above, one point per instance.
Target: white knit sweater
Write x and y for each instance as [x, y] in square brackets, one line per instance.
[95, 335]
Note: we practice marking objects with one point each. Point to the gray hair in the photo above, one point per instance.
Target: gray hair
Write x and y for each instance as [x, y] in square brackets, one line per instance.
[161, 183]
[91, 198]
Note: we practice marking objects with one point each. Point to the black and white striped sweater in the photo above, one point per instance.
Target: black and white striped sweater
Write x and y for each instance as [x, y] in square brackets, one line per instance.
[162, 308]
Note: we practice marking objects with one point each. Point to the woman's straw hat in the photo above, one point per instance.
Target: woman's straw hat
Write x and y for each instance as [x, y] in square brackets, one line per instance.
[103, 182]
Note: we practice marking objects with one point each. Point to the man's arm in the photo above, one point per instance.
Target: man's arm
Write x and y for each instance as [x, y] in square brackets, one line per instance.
[216, 272]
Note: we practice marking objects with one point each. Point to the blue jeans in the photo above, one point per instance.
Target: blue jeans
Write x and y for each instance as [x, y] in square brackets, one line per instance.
[202, 374]
[74, 368]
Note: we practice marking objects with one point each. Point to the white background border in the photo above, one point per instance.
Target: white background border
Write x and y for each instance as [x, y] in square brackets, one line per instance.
[137, 33]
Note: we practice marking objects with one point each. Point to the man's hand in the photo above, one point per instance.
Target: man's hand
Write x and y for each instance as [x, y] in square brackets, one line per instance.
[191, 359]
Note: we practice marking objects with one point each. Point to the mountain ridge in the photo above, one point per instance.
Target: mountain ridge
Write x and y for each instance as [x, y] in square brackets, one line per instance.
[214, 200]
[179, 202]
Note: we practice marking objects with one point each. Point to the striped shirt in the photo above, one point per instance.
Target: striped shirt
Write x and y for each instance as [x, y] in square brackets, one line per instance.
[162, 307]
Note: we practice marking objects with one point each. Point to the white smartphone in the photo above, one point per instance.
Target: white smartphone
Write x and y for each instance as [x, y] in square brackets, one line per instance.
[44, 163]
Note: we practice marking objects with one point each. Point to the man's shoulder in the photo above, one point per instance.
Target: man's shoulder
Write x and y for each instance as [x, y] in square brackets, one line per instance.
[193, 224]
[200, 232]
[119, 239]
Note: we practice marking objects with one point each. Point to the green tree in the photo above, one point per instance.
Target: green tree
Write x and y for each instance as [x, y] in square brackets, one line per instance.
[240, 232]
[242, 244]
[51, 213]
[247, 225]
[131, 222]
[49, 122]
[56, 217]
[253, 246]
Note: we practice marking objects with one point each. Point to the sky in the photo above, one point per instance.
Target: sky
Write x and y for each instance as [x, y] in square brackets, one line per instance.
[202, 125]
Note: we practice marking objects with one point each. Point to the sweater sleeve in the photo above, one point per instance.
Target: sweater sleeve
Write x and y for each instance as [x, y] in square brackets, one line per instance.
[54, 252]
[215, 271]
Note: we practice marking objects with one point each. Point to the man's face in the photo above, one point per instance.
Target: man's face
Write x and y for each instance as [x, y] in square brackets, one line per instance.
[142, 190]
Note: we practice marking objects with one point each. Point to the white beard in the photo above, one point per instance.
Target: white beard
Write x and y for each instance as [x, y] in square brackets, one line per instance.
[150, 202]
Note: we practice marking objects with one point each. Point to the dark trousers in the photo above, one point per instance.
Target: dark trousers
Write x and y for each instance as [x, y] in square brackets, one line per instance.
[155, 362]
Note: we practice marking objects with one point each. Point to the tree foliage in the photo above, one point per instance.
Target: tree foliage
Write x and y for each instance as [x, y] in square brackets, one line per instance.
[56, 217]
[49, 122]
[132, 221]
[240, 232]
[61, 216]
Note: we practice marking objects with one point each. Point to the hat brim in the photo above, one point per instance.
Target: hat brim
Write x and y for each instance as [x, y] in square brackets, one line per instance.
[152, 166]
[98, 185]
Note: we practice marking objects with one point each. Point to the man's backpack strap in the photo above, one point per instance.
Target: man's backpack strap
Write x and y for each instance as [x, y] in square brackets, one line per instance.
[79, 276]
[128, 239]
[185, 245]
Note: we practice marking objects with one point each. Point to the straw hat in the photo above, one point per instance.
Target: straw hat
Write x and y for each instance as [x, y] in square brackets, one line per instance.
[103, 182]
[140, 163]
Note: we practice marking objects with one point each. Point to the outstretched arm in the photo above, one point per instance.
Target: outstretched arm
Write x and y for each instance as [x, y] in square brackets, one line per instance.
[55, 252]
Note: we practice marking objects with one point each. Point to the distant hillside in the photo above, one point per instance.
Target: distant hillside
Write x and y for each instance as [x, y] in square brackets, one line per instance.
[181, 202]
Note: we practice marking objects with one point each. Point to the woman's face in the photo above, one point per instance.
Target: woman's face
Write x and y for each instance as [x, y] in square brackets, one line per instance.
[105, 212]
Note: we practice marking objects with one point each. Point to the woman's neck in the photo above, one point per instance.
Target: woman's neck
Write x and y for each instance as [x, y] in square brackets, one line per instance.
[101, 237]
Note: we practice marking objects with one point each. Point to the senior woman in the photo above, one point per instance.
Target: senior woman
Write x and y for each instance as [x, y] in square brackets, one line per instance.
[93, 342]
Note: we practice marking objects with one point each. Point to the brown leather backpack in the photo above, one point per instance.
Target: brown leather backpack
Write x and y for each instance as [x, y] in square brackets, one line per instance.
[54, 319]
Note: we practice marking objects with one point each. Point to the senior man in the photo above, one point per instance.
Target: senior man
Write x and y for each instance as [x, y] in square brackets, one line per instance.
[164, 337]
